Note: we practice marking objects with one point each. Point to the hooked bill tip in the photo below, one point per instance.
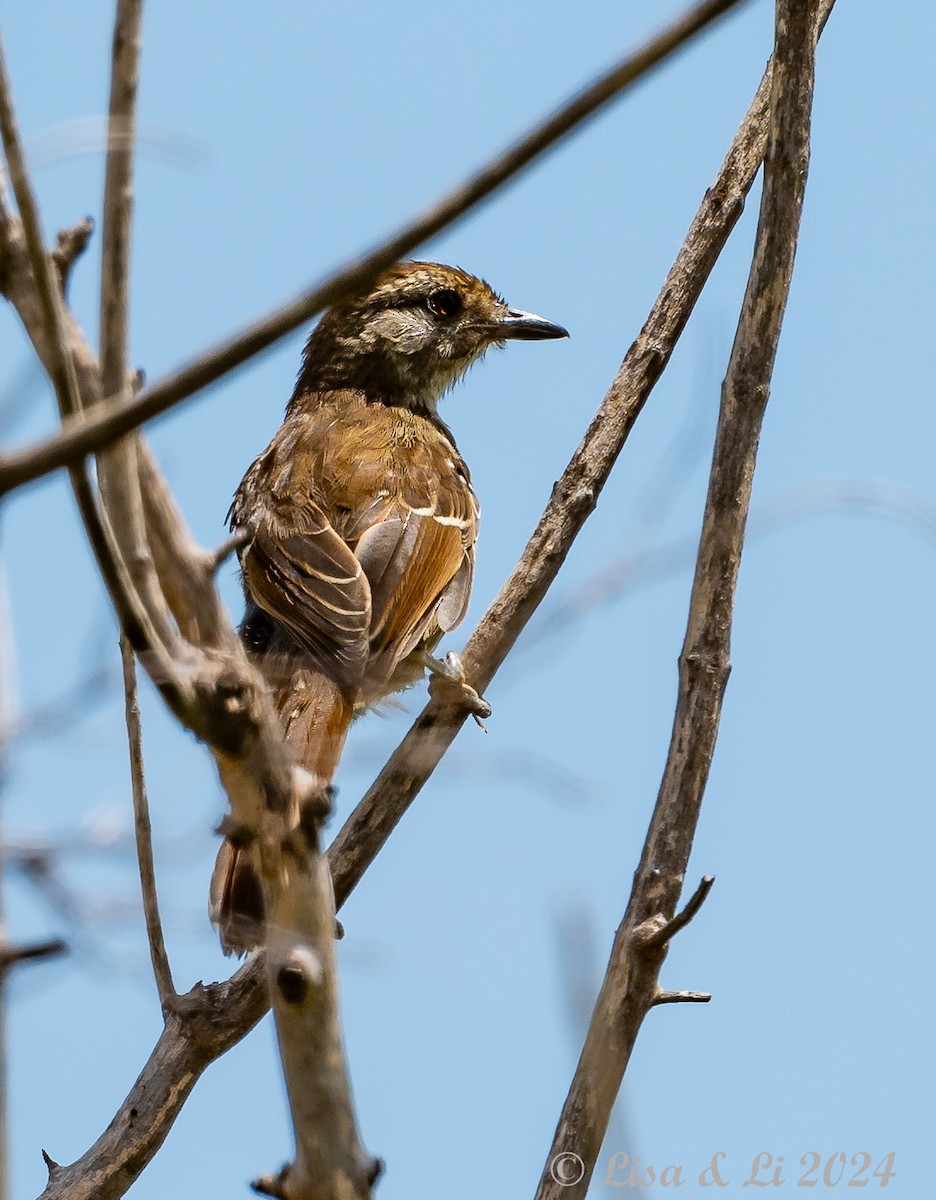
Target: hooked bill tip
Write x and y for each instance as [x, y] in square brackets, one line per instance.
[527, 327]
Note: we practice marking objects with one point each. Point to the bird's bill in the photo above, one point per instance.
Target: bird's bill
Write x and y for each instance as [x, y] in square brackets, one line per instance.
[525, 327]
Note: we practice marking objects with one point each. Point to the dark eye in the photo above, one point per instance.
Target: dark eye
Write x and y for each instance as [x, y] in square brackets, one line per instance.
[445, 303]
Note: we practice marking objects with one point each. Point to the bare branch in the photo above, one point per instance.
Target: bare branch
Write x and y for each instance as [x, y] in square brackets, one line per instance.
[630, 986]
[302, 979]
[70, 245]
[118, 197]
[115, 419]
[144, 834]
[657, 938]
[229, 546]
[681, 998]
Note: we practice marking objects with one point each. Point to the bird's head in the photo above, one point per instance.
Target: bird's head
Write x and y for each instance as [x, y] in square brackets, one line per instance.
[409, 338]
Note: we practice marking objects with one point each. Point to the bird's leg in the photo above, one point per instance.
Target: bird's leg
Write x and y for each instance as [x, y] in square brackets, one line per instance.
[447, 682]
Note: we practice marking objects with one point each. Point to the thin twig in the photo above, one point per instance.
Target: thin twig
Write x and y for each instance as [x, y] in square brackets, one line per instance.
[61, 369]
[648, 565]
[117, 464]
[630, 988]
[143, 832]
[666, 932]
[69, 246]
[681, 998]
[116, 228]
[218, 1016]
[114, 419]
[229, 546]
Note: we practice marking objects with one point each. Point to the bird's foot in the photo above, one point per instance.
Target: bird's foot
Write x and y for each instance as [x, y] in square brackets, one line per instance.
[447, 682]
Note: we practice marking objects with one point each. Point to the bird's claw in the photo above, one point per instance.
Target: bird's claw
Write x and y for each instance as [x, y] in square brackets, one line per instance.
[447, 681]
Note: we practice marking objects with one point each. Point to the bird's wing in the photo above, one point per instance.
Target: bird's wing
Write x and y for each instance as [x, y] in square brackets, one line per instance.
[413, 564]
[413, 530]
[363, 535]
[297, 568]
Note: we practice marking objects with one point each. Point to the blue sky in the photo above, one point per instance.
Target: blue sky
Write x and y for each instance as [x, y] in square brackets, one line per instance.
[276, 144]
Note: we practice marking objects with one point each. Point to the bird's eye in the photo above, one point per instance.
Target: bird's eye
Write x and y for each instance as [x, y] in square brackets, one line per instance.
[445, 303]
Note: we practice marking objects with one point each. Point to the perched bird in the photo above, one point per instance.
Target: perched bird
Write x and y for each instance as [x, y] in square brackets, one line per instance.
[360, 521]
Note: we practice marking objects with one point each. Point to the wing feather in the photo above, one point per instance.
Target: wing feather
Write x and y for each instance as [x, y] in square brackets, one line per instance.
[363, 526]
[309, 581]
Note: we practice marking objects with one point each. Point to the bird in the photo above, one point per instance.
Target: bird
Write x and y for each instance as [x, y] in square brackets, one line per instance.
[357, 525]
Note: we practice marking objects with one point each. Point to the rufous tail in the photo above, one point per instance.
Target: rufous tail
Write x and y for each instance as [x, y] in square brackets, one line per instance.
[316, 713]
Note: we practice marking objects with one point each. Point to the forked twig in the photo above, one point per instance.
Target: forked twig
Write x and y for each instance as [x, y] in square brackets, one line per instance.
[69, 246]
[667, 930]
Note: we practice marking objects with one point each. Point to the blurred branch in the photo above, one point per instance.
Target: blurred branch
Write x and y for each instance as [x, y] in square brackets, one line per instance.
[630, 988]
[62, 713]
[114, 418]
[643, 567]
[10, 955]
[92, 135]
[144, 834]
[70, 245]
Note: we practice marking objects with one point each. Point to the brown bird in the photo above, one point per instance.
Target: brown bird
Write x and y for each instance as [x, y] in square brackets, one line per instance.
[361, 522]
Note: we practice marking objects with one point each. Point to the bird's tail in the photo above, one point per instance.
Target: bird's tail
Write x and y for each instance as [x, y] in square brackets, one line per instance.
[316, 713]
